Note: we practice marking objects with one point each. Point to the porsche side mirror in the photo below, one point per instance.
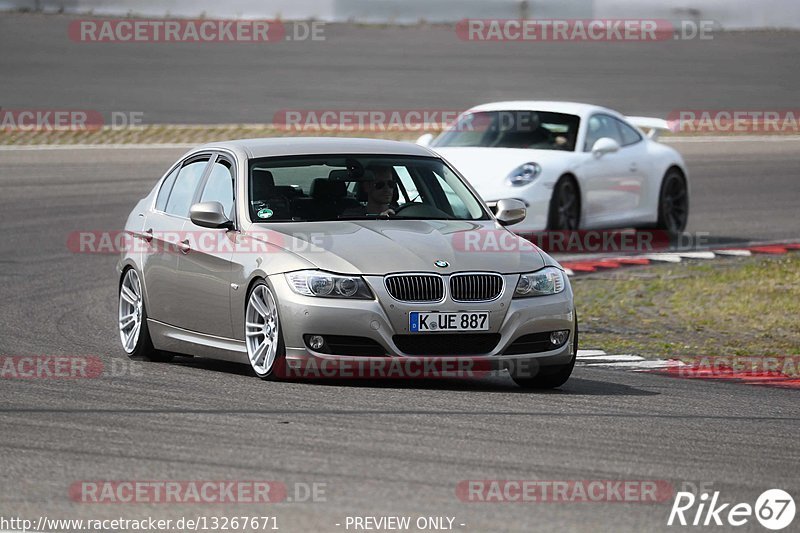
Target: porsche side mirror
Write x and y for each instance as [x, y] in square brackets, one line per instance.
[510, 211]
[603, 146]
[209, 215]
[425, 140]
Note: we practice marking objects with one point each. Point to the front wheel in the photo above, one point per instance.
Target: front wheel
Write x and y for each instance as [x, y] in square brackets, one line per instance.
[554, 376]
[263, 336]
[132, 321]
[673, 204]
[565, 206]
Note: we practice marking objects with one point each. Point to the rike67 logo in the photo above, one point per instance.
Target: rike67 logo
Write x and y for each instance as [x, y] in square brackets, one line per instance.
[774, 509]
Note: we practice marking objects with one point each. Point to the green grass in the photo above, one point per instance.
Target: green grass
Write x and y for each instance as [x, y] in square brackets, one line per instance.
[724, 307]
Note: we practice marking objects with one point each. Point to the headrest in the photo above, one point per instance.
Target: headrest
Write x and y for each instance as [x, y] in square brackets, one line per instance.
[263, 184]
[339, 174]
[325, 188]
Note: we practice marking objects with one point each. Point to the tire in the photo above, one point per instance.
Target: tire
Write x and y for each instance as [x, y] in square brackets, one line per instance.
[673, 204]
[565, 206]
[132, 320]
[266, 350]
[552, 376]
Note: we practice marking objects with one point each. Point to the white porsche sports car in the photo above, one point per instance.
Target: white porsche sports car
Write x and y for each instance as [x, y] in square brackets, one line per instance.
[576, 166]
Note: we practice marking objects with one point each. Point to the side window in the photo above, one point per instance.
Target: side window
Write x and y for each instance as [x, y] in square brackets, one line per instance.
[219, 187]
[629, 135]
[166, 188]
[600, 126]
[185, 186]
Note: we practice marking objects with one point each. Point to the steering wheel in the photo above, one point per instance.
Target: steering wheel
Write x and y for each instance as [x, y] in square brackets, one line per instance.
[421, 210]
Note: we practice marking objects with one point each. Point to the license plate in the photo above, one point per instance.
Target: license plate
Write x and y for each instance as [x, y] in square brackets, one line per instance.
[419, 322]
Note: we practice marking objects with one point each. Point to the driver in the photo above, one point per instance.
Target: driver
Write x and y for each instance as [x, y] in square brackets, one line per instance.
[380, 191]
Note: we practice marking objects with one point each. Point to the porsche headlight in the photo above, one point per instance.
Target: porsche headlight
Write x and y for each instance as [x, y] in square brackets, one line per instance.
[523, 174]
[548, 280]
[325, 285]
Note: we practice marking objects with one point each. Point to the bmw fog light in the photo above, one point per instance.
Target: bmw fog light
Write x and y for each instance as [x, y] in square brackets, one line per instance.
[315, 342]
[558, 338]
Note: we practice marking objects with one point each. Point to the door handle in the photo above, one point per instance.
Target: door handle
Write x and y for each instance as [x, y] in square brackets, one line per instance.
[183, 246]
[633, 167]
[148, 235]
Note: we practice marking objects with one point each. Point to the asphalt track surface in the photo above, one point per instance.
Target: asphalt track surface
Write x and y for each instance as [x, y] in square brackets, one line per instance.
[385, 68]
[380, 448]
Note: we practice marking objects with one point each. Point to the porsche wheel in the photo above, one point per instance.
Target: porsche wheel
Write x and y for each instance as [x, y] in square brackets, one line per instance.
[673, 204]
[565, 206]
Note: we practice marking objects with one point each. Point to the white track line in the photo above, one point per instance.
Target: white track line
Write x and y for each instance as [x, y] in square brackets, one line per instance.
[668, 258]
[589, 353]
[591, 359]
[600, 359]
[637, 365]
[697, 255]
[688, 139]
[739, 253]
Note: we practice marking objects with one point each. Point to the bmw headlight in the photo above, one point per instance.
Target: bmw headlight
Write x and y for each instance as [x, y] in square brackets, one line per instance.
[318, 283]
[523, 174]
[548, 280]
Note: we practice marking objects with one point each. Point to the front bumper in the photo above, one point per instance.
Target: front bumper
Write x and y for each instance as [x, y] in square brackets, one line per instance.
[381, 319]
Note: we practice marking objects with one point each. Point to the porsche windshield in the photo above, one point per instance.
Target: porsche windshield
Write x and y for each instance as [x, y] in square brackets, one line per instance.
[513, 129]
[353, 187]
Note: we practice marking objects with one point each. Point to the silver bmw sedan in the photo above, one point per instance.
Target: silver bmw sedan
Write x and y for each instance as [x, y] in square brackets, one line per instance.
[285, 253]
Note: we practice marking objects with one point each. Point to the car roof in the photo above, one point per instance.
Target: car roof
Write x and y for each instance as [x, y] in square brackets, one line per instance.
[283, 146]
[570, 108]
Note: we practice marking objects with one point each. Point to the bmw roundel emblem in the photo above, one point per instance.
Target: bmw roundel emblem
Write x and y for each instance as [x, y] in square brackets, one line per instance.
[441, 264]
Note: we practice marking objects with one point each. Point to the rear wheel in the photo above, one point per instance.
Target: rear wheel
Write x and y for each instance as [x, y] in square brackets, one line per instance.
[673, 204]
[550, 377]
[132, 320]
[565, 206]
[263, 336]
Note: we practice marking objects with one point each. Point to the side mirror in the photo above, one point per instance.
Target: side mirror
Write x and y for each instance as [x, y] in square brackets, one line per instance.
[510, 211]
[425, 140]
[209, 215]
[603, 146]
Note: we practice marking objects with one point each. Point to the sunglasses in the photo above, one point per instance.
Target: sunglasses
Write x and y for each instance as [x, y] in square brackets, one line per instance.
[378, 185]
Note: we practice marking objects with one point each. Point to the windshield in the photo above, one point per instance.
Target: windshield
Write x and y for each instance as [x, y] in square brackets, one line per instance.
[353, 187]
[513, 129]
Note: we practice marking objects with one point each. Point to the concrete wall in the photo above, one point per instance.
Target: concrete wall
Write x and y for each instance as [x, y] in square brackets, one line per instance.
[730, 14]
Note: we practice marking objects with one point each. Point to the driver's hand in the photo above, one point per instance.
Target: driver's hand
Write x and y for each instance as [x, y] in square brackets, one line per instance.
[388, 212]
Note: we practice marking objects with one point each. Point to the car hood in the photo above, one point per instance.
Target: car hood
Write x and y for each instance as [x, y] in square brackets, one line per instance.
[380, 247]
[487, 168]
